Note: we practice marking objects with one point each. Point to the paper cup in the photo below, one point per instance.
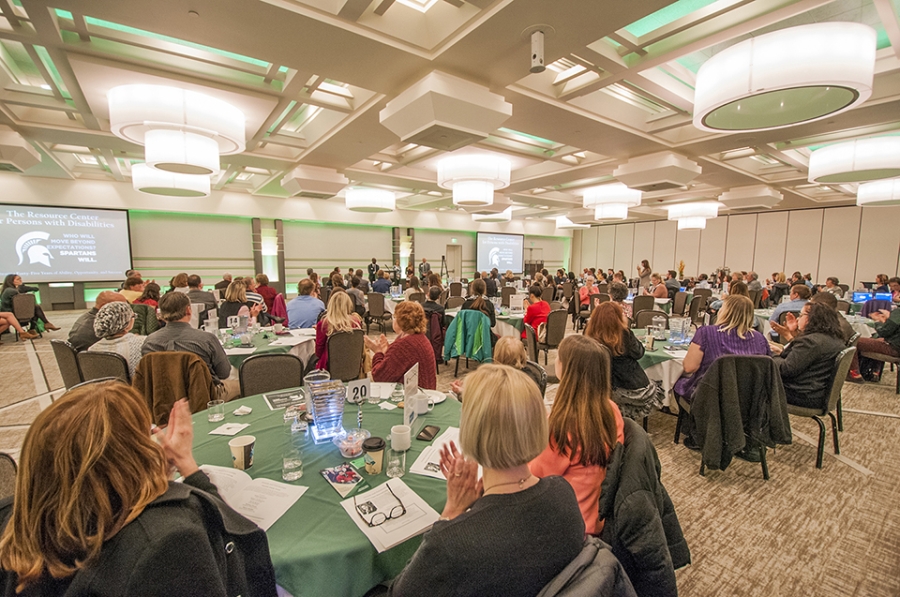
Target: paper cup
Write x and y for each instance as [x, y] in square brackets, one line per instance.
[400, 438]
[278, 328]
[374, 449]
[242, 451]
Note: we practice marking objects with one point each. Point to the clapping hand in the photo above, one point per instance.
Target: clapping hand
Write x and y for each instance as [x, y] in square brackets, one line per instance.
[463, 484]
[256, 310]
[379, 345]
[881, 316]
[788, 330]
[178, 438]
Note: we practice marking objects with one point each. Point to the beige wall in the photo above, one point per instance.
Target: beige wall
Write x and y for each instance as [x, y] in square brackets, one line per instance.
[852, 243]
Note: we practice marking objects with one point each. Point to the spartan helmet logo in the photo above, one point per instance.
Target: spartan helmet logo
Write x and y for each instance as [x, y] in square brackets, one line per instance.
[30, 244]
[494, 257]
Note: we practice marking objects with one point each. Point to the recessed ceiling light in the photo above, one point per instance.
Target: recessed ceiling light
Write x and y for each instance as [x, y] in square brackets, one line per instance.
[420, 5]
[45, 86]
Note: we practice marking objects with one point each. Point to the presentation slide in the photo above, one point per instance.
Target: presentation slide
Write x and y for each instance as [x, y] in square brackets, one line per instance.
[503, 251]
[63, 244]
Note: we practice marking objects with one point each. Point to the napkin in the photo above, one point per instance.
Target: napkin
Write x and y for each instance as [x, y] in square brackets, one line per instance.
[387, 406]
[244, 410]
[229, 429]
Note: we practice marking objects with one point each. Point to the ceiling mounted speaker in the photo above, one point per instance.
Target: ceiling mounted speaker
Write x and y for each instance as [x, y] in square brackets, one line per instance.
[860, 160]
[753, 197]
[880, 193]
[16, 154]
[445, 112]
[370, 200]
[169, 184]
[657, 172]
[786, 77]
[314, 182]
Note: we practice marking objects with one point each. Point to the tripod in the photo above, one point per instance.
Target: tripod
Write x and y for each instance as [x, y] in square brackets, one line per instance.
[443, 267]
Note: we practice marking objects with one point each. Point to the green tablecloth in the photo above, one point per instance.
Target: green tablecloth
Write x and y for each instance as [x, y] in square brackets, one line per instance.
[316, 548]
[655, 356]
[261, 341]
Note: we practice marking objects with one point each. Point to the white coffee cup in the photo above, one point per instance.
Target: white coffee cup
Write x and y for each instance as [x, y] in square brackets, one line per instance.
[400, 437]
[424, 404]
[279, 328]
[242, 451]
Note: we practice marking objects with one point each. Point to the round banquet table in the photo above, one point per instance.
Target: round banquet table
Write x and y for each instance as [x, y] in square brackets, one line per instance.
[864, 326]
[506, 325]
[317, 550]
[262, 344]
[661, 366]
[660, 304]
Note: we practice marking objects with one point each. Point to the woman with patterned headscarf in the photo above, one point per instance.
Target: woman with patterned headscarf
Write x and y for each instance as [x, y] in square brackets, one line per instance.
[113, 326]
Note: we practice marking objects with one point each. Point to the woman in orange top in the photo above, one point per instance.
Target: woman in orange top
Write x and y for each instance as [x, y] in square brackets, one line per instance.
[585, 425]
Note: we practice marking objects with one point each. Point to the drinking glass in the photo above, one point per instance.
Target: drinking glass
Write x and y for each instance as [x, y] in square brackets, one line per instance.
[398, 395]
[291, 456]
[215, 411]
[396, 463]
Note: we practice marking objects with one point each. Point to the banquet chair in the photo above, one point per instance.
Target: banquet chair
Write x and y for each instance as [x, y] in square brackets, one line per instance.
[755, 297]
[94, 365]
[556, 331]
[643, 303]
[679, 304]
[538, 373]
[261, 373]
[603, 288]
[418, 297]
[345, 355]
[376, 312]
[67, 361]
[593, 301]
[505, 293]
[695, 312]
[162, 378]
[548, 294]
[469, 336]
[844, 287]
[830, 404]
[7, 475]
[23, 306]
[554, 305]
[885, 358]
[455, 289]
[442, 300]
[843, 307]
[531, 343]
[568, 290]
[455, 302]
[704, 292]
[644, 318]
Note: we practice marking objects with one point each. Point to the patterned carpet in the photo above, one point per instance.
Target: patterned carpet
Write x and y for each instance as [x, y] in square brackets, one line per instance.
[805, 532]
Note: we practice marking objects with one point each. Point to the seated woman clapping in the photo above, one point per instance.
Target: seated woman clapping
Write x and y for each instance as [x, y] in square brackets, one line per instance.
[94, 508]
[508, 533]
[585, 424]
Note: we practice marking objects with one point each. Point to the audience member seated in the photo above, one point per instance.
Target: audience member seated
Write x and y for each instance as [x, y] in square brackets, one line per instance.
[560, 277]
[12, 285]
[113, 325]
[132, 289]
[894, 285]
[752, 281]
[236, 303]
[508, 533]
[224, 282]
[510, 352]
[738, 288]
[702, 281]
[807, 363]
[179, 283]
[411, 346]
[789, 330]
[8, 320]
[672, 283]
[267, 292]
[382, 283]
[730, 336]
[831, 287]
[618, 292]
[95, 513]
[304, 309]
[432, 305]
[537, 309]
[150, 296]
[479, 302]
[200, 296]
[585, 425]
[780, 288]
[799, 296]
[82, 335]
[888, 342]
[881, 283]
[253, 297]
[657, 288]
[363, 282]
[358, 296]
[632, 390]
[412, 287]
[490, 283]
[339, 317]
[178, 335]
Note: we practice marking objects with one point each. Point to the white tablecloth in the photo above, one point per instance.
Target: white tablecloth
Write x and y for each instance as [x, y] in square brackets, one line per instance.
[859, 324]
[667, 373]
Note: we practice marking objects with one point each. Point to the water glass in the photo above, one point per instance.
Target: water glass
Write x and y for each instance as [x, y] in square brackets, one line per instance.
[396, 463]
[397, 395]
[215, 411]
[291, 455]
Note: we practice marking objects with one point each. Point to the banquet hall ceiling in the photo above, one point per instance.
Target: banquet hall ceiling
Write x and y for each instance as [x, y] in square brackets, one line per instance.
[312, 76]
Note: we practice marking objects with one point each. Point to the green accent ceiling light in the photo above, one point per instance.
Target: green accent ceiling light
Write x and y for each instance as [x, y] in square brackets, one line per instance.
[787, 77]
[666, 15]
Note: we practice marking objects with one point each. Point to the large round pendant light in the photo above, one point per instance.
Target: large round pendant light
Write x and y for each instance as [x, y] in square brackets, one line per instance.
[169, 184]
[611, 201]
[860, 160]
[693, 216]
[880, 193]
[178, 151]
[370, 200]
[473, 178]
[786, 77]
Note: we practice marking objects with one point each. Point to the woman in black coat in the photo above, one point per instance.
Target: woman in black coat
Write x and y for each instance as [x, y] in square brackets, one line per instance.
[807, 363]
[117, 526]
